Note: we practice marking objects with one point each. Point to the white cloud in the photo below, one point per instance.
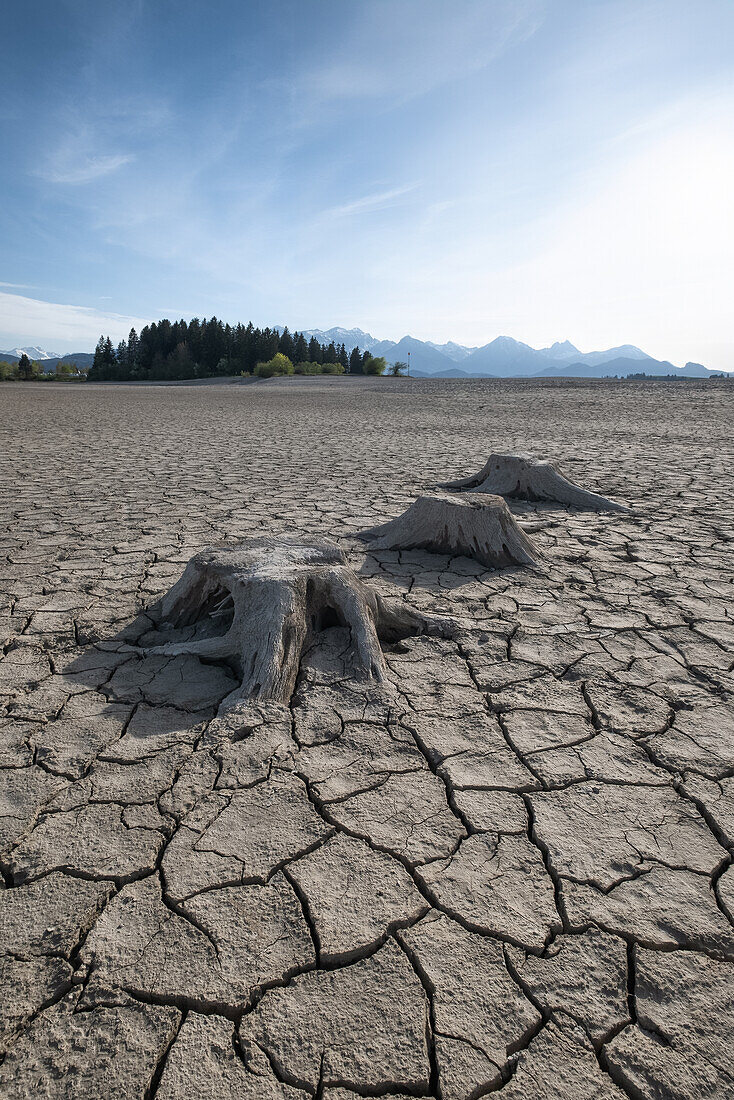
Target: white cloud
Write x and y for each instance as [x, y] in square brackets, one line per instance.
[377, 201]
[412, 47]
[61, 170]
[63, 327]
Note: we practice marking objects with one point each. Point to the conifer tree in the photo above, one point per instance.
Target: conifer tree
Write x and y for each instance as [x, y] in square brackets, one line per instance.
[286, 346]
[25, 368]
[133, 349]
[206, 348]
[267, 344]
[98, 361]
[315, 351]
[300, 353]
[194, 339]
[212, 344]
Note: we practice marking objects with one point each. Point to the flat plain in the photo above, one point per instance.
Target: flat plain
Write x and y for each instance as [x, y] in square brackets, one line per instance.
[507, 868]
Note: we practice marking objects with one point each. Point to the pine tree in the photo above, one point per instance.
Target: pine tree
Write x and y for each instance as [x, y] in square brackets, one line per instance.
[133, 350]
[103, 366]
[98, 362]
[300, 352]
[165, 337]
[286, 345]
[267, 344]
[146, 350]
[179, 363]
[25, 368]
[315, 351]
[212, 345]
[207, 348]
[194, 340]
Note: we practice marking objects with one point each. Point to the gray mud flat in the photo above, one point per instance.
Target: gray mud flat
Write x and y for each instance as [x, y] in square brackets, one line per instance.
[506, 867]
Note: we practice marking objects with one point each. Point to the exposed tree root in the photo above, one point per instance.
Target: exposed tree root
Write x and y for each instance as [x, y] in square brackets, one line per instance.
[480, 527]
[256, 606]
[525, 477]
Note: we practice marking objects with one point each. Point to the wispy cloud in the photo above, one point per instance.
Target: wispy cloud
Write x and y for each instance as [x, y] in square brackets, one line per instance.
[31, 321]
[398, 52]
[95, 137]
[90, 169]
[379, 200]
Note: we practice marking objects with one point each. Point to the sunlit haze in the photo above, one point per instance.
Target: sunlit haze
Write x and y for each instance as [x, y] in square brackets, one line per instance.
[543, 170]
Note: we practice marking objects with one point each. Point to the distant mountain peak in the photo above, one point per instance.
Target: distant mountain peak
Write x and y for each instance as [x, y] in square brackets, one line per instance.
[34, 353]
[506, 342]
[562, 349]
[503, 357]
[455, 352]
[350, 337]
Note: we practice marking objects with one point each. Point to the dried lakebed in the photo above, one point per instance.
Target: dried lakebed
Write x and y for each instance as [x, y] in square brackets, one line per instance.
[506, 868]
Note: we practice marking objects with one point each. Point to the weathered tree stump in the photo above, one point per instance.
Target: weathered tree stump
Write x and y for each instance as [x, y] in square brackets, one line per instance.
[257, 606]
[479, 527]
[526, 478]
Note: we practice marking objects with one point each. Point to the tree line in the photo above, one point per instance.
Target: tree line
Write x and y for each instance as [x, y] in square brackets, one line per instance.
[28, 370]
[168, 350]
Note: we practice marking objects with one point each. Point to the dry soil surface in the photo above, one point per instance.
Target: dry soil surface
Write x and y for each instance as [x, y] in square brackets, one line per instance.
[508, 868]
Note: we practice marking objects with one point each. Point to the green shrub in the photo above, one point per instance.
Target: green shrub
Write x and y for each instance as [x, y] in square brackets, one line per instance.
[373, 364]
[319, 368]
[279, 364]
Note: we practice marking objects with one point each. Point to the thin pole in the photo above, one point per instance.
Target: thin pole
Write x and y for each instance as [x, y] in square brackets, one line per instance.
[408, 364]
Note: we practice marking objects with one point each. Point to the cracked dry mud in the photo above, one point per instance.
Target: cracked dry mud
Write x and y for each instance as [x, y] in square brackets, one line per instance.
[507, 868]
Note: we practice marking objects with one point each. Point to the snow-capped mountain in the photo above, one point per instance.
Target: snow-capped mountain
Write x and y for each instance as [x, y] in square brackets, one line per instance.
[350, 337]
[505, 357]
[34, 353]
[456, 352]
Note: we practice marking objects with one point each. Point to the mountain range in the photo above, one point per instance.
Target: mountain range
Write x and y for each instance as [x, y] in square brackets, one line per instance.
[48, 359]
[36, 354]
[505, 357]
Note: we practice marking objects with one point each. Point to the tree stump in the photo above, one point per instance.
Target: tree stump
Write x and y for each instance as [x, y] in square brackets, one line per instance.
[479, 527]
[258, 605]
[526, 478]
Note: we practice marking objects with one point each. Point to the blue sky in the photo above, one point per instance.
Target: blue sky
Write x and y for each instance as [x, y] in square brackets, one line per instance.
[544, 169]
